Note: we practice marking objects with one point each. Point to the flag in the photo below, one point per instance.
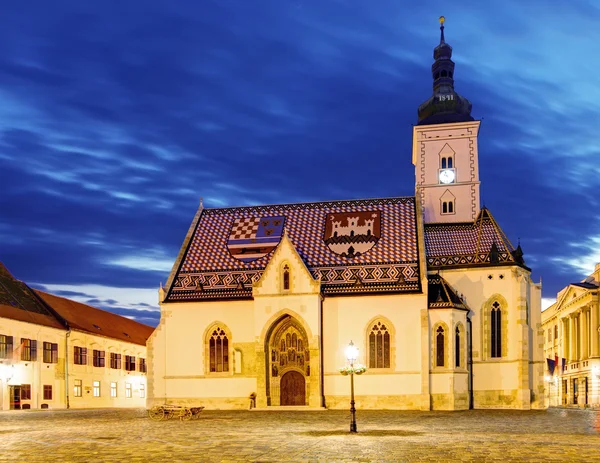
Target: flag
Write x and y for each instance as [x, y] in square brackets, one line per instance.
[551, 365]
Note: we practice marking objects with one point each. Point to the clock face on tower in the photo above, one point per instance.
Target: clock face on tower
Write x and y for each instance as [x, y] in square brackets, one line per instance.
[447, 175]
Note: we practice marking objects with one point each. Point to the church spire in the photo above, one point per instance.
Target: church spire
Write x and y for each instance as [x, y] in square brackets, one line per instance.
[445, 105]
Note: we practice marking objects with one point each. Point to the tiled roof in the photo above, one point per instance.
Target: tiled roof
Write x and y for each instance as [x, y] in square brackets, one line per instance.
[17, 302]
[231, 247]
[586, 285]
[99, 322]
[469, 244]
[441, 295]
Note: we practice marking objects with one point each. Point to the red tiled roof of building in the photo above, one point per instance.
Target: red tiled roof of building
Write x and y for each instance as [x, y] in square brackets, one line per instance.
[83, 317]
[17, 302]
[230, 247]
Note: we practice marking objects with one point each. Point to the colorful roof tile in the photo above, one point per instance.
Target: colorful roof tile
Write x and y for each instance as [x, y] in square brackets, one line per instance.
[467, 244]
[351, 246]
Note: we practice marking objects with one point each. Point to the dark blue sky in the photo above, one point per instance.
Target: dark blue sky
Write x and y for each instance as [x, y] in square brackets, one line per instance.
[116, 117]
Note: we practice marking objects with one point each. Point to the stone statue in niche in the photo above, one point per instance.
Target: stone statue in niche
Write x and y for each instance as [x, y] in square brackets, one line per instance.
[274, 370]
[307, 355]
[273, 355]
[282, 360]
[307, 370]
[282, 345]
[300, 360]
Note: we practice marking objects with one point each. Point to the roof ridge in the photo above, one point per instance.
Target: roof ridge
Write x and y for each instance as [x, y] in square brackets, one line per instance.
[305, 203]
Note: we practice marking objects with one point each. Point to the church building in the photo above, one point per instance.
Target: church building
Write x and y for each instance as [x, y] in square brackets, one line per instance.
[263, 300]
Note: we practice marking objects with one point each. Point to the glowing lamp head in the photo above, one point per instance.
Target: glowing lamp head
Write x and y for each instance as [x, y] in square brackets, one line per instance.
[351, 352]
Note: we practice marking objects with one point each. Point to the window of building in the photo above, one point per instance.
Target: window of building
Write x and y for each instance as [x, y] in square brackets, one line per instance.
[128, 391]
[47, 392]
[496, 330]
[555, 331]
[77, 389]
[448, 207]
[457, 348]
[439, 347]
[115, 361]
[99, 358]
[218, 350]
[50, 352]
[96, 388]
[6, 346]
[130, 363]
[286, 277]
[25, 391]
[142, 365]
[28, 350]
[80, 355]
[113, 389]
[379, 345]
[447, 162]
[142, 391]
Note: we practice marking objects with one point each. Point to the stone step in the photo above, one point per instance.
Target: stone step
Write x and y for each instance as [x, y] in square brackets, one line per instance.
[289, 408]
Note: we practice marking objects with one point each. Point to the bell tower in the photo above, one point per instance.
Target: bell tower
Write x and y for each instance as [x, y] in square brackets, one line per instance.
[445, 153]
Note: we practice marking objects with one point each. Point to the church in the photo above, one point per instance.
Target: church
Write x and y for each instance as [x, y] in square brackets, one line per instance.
[263, 300]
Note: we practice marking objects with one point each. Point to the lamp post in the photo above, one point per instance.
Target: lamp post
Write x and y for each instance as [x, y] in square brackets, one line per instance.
[352, 355]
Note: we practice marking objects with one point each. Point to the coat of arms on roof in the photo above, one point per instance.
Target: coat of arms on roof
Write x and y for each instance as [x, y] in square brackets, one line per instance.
[254, 237]
[351, 234]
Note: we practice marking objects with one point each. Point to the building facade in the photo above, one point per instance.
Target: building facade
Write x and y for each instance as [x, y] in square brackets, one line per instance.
[56, 353]
[572, 344]
[262, 300]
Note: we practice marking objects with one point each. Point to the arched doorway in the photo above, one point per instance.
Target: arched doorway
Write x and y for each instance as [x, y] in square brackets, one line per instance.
[288, 360]
[292, 389]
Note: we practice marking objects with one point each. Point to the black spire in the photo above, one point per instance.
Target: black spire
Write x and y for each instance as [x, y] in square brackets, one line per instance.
[445, 105]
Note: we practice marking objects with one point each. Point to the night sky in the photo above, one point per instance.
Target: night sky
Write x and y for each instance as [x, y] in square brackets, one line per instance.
[117, 117]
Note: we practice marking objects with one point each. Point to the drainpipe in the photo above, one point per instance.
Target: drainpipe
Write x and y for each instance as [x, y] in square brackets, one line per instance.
[67, 366]
[470, 362]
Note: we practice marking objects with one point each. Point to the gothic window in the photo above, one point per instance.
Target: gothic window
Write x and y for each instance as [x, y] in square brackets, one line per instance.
[448, 207]
[450, 162]
[439, 347]
[379, 346]
[457, 347]
[496, 330]
[286, 277]
[218, 346]
[444, 163]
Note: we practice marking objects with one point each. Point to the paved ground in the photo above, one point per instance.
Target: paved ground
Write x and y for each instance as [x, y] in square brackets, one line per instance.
[299, 436]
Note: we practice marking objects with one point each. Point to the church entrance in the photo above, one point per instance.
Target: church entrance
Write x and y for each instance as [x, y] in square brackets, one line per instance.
[293, 389]
[288, 360]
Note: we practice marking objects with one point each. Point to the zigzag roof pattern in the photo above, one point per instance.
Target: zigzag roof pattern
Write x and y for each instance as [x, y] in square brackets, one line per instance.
[209, 270]
[481, 242]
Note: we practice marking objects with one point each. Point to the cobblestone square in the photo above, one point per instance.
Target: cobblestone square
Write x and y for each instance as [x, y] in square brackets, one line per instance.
[300, 436]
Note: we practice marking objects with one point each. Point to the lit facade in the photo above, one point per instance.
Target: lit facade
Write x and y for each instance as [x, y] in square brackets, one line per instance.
[572, 344]
[263, 300]
[56, 353]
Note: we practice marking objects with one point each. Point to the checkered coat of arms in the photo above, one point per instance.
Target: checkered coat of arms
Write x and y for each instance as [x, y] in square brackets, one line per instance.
[254, 237]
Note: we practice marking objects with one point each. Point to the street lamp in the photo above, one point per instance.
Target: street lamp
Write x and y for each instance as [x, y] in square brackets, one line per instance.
[352, 355]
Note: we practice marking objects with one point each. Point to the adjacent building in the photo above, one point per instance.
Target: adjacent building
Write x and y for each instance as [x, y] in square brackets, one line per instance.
[572, 344]
[58, 353]
[262, 300]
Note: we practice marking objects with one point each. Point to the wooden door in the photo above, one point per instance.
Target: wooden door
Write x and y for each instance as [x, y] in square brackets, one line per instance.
[293, 389]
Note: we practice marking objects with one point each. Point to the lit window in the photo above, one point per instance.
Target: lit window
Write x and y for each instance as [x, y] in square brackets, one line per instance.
[142, 391]
[77, 389]
[128, 391]
[96, 387]
[113, 389]
[50, 352]
[219, 350]
[6, 346]
[379, 346]
[28, 350]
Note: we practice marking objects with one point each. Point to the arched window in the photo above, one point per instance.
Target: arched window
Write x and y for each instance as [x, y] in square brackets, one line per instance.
[444, 163]
[445, 207]
[496, 330]
[218, 350]
[379, 346]
[457, 348]
[450, 162]
[286, 277]
[439, 347]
